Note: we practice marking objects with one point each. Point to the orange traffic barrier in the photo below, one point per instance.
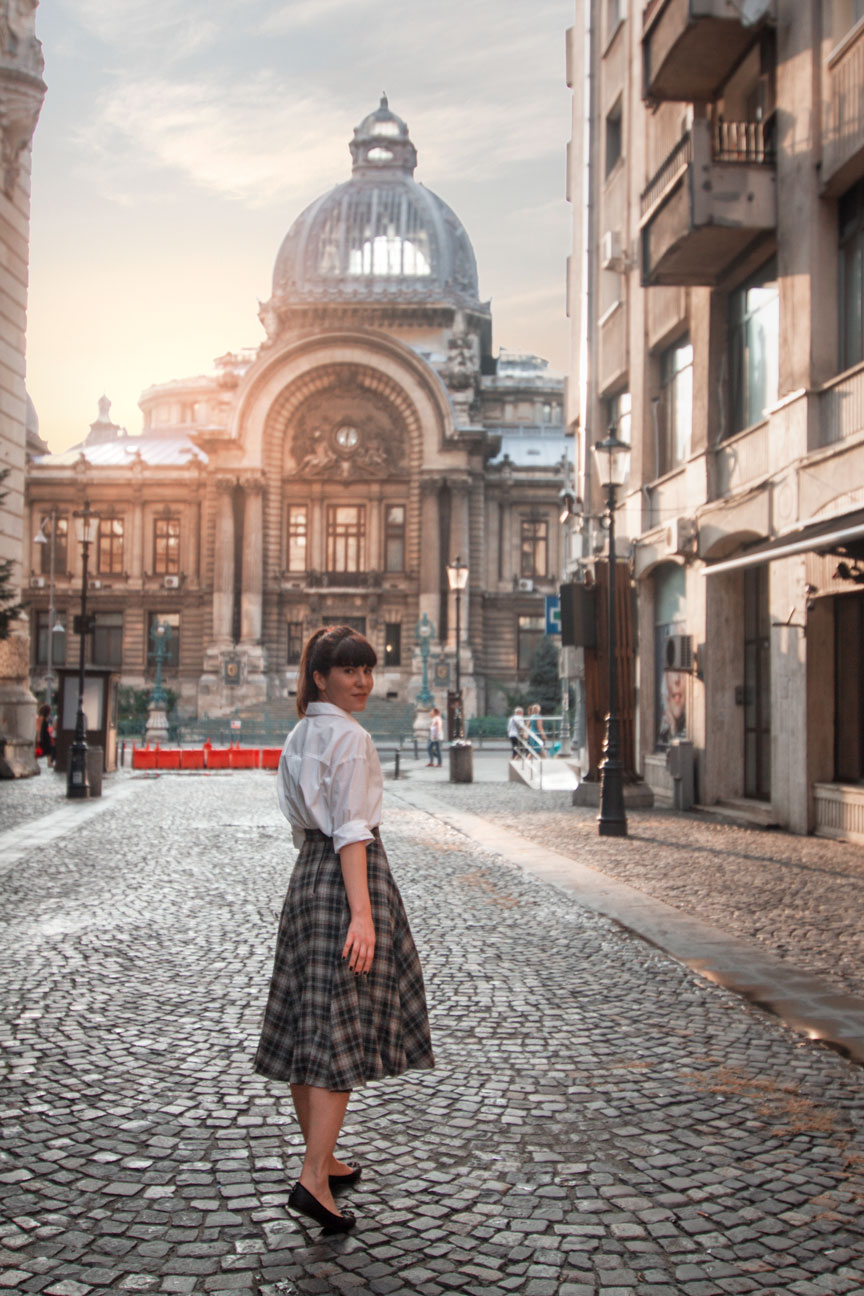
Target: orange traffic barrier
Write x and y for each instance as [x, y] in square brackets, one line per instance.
[167, 757]
[243, 758]
[218, 757]
[270, 757]
[192, 758]
[143, 758]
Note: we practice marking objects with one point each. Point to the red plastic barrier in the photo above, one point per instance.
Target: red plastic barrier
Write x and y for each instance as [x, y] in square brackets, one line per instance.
[190, 759]
[218, 757]
[168, 758]
[143, 758]
[270, 757]
[243, 758]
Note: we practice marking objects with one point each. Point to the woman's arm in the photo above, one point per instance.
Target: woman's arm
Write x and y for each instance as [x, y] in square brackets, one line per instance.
[359, 945]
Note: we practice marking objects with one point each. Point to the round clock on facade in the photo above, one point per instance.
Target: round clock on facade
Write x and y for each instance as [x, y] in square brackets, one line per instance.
[347, 437]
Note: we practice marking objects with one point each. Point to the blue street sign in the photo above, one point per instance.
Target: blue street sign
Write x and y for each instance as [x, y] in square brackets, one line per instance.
[553, 614]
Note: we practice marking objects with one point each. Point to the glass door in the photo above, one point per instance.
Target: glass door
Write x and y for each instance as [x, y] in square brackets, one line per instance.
[757, 685]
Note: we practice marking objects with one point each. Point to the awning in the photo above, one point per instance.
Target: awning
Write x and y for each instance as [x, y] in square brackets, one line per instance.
[809, 537]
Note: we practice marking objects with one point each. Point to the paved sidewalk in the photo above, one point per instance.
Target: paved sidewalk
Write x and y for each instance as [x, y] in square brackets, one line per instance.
[772, 916]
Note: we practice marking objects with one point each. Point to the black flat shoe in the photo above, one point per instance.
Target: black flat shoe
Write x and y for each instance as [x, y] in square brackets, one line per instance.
[302, 1200]
[345, 1180]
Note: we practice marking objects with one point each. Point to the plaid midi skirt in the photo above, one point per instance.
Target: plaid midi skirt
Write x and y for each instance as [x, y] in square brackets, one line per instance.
[324, 1025]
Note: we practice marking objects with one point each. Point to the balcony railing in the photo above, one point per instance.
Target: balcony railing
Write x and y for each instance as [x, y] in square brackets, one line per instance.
[677, 161]
[743, 143]
[750, 142]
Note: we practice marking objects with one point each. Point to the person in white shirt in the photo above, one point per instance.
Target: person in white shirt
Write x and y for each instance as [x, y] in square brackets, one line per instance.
[347, 1002]
[516, 730]
[436, 733]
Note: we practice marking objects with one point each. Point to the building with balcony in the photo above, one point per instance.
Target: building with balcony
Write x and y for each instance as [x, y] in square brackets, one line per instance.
[716, 173]
[330, 475]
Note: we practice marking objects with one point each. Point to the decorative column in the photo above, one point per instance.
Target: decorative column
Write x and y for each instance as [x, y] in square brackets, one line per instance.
[136, 537]
[430, 560]
[223, 573]
[253, 561]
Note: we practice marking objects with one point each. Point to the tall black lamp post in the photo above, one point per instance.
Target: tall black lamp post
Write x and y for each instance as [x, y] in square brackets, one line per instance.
[461, 755]
[613, 462]
[54, 626]
[77, 784]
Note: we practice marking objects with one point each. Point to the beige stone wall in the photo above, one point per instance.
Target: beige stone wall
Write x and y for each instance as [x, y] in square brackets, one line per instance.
[21, 91]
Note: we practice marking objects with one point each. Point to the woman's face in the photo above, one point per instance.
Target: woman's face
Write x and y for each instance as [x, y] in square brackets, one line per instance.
[347, 687]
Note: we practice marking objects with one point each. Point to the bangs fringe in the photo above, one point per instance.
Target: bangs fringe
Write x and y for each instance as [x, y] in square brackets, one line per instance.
[355, 651]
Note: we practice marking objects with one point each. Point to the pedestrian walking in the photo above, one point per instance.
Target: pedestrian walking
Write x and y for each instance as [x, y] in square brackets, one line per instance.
[516, 729]
[536, 732]
[436, 733]
[45, 734]
[347, 1001]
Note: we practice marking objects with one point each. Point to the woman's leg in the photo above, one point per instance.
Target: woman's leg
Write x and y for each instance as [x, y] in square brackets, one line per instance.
[320, 1113]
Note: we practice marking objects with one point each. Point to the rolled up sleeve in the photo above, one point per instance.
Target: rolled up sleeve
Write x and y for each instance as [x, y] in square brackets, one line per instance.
[348, 797]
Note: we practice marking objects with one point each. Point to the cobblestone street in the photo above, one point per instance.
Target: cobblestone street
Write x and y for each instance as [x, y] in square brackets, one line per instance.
[600, 1121]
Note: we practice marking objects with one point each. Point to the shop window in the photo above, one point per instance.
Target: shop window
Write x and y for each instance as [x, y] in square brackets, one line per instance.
[754, 348]
[109, 547]
[166, 546]
[670, 687]
[394, 538]
[534, 548]
[107, 639]
[529, 631]
[171, 660]
[851, 275]
[346, 538]
[675, 411]
[294, 635]
[393, 643]
[61, 546]
[58, 642]
[298, 538]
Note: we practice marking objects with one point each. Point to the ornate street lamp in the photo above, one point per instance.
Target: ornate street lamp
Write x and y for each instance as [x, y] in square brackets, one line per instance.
[54, 626]
[77, 785]
[424, 633]
[157, 715]
[461, 751]
[457, 578]
[612, 458]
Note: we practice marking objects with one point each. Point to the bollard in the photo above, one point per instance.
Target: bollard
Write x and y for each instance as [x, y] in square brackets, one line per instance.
[95, 760]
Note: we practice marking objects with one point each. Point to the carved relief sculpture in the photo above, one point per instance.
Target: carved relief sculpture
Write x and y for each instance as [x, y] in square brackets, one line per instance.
[346, 433]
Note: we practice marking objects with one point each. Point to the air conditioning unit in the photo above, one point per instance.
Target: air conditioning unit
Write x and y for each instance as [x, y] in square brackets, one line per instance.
[37, 582]
[678, 653]
[611, 252]
[171, 582]
[95, 584]
[526, 586]
[680, 535]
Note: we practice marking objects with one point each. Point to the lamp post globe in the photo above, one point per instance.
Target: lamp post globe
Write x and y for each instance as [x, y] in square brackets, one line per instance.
[612, 458]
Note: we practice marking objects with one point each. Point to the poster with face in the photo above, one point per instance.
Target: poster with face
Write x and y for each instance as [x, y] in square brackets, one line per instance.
[673, 706]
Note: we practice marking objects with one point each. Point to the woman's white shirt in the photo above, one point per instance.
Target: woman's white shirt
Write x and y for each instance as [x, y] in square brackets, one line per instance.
[329, 777]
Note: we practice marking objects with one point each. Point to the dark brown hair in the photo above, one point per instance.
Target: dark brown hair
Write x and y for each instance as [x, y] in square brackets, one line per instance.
[328, 647]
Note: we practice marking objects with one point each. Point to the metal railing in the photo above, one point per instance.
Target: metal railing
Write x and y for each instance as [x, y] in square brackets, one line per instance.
[533, 746]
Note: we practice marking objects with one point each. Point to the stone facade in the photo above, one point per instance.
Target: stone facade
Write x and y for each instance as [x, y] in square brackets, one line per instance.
[717, 180]
[21, 94]
[334, 472]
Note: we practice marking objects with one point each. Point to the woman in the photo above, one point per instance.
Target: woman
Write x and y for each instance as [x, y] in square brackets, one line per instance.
[45, 734]
[346, 1002]
[536, 732]
[436, 734]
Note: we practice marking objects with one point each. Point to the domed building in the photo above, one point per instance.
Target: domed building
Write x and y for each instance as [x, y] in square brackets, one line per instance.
[333, 474]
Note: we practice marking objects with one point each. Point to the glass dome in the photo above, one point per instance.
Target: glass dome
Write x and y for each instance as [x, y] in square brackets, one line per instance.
[381, 234]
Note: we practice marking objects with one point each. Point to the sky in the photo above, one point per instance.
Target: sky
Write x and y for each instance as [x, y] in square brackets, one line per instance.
[179, 139]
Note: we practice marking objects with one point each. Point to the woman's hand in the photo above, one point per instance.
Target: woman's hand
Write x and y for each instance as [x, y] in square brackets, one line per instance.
[359, 947]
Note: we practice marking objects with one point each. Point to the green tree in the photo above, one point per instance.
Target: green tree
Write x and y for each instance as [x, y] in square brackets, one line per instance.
[544, 685]
[10, 607]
